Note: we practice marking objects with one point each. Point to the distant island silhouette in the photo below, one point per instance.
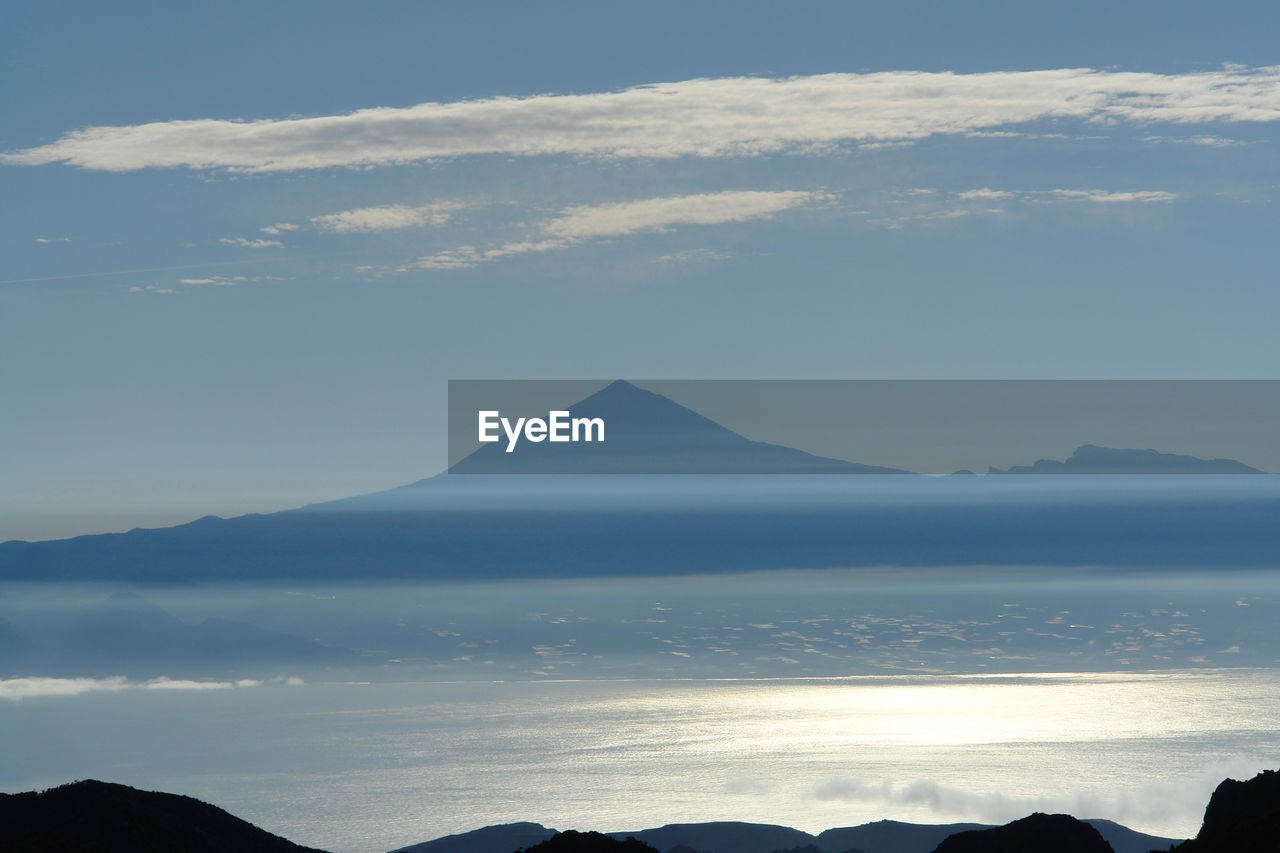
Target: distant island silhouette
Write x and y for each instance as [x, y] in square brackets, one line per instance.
[512, 526]
[1092, 459]
[101, 817]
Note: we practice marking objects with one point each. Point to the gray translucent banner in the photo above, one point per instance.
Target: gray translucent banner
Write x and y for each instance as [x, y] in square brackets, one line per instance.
[864, 426]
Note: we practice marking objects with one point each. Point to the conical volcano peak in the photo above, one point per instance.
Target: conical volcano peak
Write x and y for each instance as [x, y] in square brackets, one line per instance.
[634, 407]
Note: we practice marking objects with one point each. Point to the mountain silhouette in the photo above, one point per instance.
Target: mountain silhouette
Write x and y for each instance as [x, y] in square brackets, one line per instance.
[647, 433]
[534, 527]
[500, 838]
[571, 841]
[1092, 459]
[884, 836]
[891, 836]
[490, 527]
[1242, 817]
[102, 817]
[723, 837]
[1042, 833]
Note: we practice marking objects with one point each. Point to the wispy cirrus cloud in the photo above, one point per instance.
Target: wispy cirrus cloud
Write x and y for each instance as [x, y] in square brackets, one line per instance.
[387, 217]
[1106, 197]
[723, 117]
[247, 243]
[920, 205]
[216, 280]
[278, 228]
[581, 223]
[655, 214]
[17, 689]
[984, 194]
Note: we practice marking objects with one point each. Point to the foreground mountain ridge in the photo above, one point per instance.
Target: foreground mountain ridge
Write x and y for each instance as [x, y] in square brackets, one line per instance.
[884, 836]
[102, 817]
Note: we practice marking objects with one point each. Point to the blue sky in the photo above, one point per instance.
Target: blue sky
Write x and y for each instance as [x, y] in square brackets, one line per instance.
[244, 246]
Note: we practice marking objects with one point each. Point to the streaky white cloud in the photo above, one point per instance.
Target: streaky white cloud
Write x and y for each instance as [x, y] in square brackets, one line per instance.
[163, 683]
[720, 117]
[246, 243]
[692, 256]
[278, 228]
[1098, 195]
[587, 222]
[215, 281]
[923, 205]
[387, 218]
[656, 214]
[1107, 197]
[17, 689]
[469, 256]
[985, 193]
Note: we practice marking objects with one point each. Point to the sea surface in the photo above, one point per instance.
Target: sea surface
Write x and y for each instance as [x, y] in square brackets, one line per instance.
[365, 716]
[372, 766]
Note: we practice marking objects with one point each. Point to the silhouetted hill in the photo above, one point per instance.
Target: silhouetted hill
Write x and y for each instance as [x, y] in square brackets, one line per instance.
[484, 527]
[647, 433]
[885, 836]
[571, 841]
[1041, 833]
[502, 838]
[1125, 840]
[723, 837]
[100, 817]
[1242, 817]
[1091, 459]
[891, 836]
[535, 527]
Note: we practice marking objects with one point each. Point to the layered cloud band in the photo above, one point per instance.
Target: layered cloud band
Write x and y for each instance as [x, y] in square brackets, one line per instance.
[726, 117]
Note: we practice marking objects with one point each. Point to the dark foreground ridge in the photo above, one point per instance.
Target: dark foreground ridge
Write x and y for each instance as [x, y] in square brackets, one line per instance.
[589, 842]
[1043, 833]
[102, 817]
[885, 836]
[1242, 817]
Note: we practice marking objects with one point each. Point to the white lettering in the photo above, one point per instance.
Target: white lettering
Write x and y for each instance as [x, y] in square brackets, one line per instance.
[587, 425]
[513, 435]
[488, 423]
[558, 426]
